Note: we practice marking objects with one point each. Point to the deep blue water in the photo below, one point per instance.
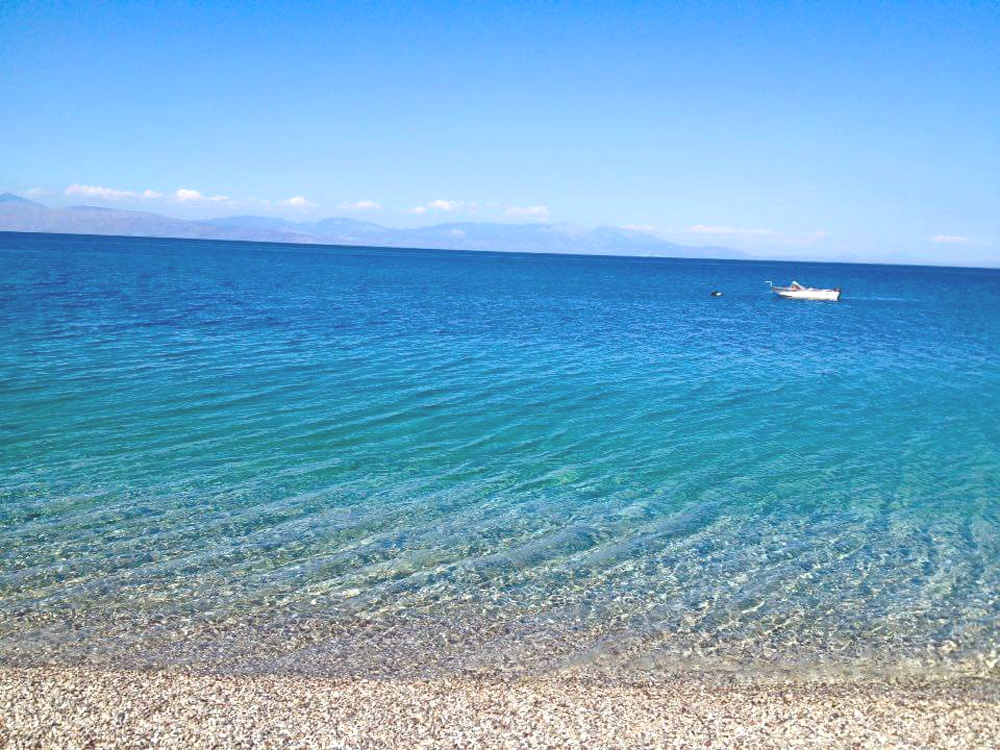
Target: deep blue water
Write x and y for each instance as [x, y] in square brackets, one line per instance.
[541, 459]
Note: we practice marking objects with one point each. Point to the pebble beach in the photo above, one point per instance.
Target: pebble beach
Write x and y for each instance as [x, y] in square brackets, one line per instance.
[68, 707]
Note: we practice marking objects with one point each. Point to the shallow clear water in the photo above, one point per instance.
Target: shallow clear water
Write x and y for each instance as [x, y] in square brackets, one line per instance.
[332, 458]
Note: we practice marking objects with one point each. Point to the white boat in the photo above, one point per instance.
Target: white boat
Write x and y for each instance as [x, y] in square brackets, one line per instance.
[797, 291]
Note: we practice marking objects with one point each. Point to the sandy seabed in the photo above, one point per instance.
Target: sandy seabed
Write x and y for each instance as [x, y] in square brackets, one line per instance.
[60, 707]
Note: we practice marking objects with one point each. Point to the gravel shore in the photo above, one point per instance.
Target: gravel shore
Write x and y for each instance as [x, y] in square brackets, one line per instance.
[81, 708]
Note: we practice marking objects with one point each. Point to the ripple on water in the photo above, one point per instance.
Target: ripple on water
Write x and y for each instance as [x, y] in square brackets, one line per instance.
[346, 460]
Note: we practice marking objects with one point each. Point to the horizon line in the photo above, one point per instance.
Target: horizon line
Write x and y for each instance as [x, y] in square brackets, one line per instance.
[526, 253]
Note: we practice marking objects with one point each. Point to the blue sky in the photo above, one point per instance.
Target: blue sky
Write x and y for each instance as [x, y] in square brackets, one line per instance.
[809, 129]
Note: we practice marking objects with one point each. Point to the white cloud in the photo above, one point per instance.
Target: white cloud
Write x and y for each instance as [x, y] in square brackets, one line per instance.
[950, 239]
[645, 228]
[33, 193]
[442, 205]
[704, 229]
[95, 191]
[186, 195]
[298, 201]
[360, 206]
[475, 208]
[528, 212]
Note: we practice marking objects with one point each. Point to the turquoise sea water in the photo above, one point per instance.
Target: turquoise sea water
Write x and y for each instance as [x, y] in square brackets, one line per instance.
[290, 457]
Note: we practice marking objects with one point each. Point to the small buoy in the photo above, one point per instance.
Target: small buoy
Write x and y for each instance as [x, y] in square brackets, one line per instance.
[716, 293]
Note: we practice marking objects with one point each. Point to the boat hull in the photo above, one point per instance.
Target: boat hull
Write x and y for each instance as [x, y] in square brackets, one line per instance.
[828, 295]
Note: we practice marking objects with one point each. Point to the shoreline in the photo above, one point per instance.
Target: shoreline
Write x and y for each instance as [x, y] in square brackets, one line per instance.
[49, 707]
[417, 647]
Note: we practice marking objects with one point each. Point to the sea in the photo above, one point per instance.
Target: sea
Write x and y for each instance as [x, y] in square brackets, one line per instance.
[251, 457]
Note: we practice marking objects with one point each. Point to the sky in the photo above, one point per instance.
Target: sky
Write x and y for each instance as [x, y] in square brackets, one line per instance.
[869, 130]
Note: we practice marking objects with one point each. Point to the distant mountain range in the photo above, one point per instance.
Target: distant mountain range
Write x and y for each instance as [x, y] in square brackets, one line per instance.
[21, 215]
